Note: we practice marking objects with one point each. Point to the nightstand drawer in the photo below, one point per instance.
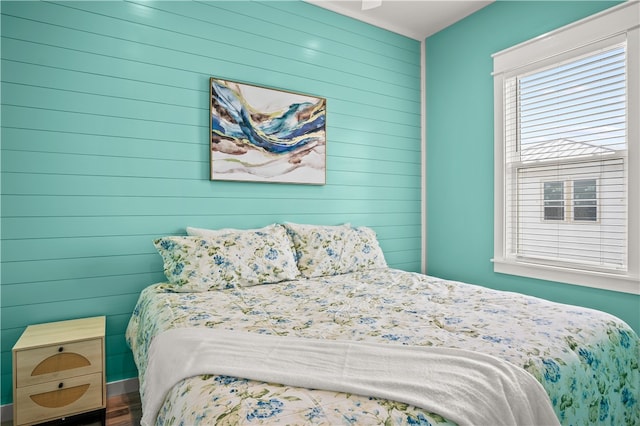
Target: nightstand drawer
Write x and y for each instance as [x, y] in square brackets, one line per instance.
[56, 399]
[55, 362]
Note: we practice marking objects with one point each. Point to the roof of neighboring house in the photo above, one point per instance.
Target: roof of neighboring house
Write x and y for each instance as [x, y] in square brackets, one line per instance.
[561, 148]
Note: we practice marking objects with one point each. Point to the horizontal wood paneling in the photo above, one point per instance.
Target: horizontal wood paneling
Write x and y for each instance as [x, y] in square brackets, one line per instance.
[63, 205]
[373, 147]
[105, 144]
[76, 269]
[157, 225]
[15, 161]
[111, 186]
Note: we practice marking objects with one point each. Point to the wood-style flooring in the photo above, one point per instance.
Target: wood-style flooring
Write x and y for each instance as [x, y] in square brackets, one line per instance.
[122, 410]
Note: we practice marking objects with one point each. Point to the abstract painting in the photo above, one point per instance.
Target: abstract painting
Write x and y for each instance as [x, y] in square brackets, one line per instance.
[260, 134]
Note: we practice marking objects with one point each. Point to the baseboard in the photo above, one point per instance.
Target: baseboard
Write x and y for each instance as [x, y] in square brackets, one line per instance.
[113, 388]
[6, 413]
[122, 386]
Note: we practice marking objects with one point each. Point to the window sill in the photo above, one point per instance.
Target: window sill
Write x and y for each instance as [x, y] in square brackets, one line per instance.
[600, 280]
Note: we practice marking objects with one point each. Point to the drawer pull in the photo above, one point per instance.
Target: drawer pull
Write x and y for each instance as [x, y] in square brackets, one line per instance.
[60, 349]
[60, 385]
[60, 398]
[60, 362]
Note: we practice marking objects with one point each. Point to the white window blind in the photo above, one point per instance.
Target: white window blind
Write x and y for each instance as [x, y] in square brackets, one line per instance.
[567, 153]
[565, 150]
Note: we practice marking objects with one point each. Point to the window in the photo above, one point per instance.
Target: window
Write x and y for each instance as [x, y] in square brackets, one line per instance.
[554, 200]
[567, 154]
[581, 196]
[585, 202]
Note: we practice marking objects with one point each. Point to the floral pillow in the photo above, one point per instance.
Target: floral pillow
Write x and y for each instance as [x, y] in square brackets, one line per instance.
[331, 250]
[204, 232]
[364, 252]
[244, 259]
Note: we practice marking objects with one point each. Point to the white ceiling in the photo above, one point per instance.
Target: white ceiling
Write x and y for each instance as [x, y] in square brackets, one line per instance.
[416, 19]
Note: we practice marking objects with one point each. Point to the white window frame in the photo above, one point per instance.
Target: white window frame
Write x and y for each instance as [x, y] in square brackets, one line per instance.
[619, 22]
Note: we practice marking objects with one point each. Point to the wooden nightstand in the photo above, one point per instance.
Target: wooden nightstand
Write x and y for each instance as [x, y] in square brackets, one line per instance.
[59, 371]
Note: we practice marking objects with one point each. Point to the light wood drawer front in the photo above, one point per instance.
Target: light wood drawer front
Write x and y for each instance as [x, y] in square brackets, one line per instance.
[40, 365]
[51, 400]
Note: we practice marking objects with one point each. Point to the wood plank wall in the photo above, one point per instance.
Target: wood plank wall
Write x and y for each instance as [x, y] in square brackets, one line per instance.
[104, 144]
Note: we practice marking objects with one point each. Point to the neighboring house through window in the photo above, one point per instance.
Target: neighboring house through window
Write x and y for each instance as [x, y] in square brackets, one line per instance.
[585, 200]
[567, 157]
[580, 203]
[554, 200]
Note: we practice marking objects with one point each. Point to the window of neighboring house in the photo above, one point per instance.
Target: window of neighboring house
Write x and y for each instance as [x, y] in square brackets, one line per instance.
[583, 196]
[564, 104]
[585, 203]
[554, 200]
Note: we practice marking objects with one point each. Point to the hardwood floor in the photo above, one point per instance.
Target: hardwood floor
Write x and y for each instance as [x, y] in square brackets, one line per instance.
[122, 410]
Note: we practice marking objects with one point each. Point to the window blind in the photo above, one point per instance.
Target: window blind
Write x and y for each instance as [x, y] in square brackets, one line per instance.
[565, 133]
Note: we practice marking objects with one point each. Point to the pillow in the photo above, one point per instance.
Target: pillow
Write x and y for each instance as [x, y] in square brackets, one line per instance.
[248, 258]
[318, 247]
[365, 252]
[203, 232]
[331, 250]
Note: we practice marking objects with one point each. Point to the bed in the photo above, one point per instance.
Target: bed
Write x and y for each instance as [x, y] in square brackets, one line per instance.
[331, 284]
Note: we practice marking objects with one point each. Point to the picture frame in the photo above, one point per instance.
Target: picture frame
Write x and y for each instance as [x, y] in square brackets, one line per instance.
[263, 134]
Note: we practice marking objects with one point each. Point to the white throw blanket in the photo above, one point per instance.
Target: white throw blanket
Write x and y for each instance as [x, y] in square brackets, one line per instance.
[466, 387]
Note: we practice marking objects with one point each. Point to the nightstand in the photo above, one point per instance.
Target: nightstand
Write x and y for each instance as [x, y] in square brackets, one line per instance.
[59, 371]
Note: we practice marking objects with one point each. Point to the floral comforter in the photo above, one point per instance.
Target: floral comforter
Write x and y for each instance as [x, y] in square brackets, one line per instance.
[586, 360]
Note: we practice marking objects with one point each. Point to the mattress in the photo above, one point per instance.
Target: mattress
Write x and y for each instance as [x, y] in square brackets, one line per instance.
[586, 360]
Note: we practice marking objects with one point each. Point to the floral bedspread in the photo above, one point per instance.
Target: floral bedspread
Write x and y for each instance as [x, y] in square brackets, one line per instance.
[585, 359]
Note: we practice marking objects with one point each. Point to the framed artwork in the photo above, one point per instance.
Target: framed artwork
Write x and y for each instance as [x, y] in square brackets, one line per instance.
[260, 134]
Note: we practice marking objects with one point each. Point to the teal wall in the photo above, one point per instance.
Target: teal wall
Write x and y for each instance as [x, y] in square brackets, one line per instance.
[460, 149]
[104, 144]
